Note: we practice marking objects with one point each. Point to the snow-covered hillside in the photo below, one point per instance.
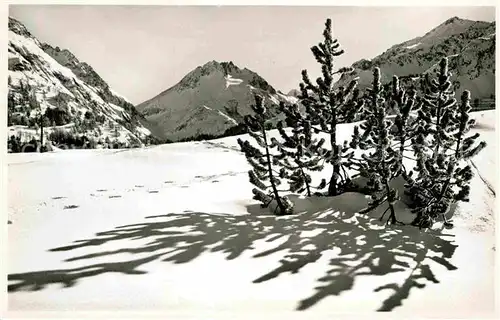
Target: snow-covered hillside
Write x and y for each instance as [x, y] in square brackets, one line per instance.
[210, 100]
[57, 80]
[179, 234]
[469, 46]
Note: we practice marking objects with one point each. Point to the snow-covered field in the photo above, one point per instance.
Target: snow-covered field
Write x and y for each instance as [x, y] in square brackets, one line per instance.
[173, 229]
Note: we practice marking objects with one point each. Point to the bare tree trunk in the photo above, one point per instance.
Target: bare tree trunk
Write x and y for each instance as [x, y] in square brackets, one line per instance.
[41, 133]
[308, 188]
[332, 188]
[390, 200]
[271, 176]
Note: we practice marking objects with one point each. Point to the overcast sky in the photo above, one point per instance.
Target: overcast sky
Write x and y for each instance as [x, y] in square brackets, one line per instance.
[143, 50]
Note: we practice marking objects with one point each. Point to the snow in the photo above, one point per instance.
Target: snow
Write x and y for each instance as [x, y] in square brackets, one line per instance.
[222, 114]
[143, 131]
[42, 77]
[173, 229]
[120, 134]
[289, 99]
[26, 133]
[118, 111]
[227, 117]
[31, 46]
[273, 99]
[230, 81]
[488, 37]
[413, 46]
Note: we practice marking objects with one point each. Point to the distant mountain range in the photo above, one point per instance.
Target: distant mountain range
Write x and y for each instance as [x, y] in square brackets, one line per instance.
[71, 94]
[469, 46]
[210, 101]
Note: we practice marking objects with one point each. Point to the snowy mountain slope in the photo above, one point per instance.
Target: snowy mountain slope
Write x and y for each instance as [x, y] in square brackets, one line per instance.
[469, 45]
[209, 100]
[61, 82]
[181, 230]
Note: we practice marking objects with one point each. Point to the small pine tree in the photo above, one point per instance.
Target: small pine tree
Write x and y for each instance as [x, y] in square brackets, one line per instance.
[404, 104]
[381, 163]
[300, 153]
[441, 147]
[263, 162]
[327, 106]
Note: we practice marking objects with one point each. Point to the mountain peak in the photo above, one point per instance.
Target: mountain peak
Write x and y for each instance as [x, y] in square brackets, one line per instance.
[472, 42]
[210, 100]
[453, 20]
[17, 27]
[224, 66]
[450, 27]
[215, 63]
[213, 66]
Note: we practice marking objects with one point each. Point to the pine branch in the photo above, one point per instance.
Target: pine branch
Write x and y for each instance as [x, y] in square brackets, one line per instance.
[319, 130]
[410, 158]
[374, 205]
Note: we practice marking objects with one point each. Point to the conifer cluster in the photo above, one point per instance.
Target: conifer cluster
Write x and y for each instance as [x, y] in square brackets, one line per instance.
[441, 147]
[418, 133]
[327, 106]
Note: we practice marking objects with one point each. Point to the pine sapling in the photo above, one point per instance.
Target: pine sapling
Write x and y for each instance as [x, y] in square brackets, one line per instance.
[327, 106]
[440, 146]
[263, 175]
[381, 162]
[405, 104]
[300, 153]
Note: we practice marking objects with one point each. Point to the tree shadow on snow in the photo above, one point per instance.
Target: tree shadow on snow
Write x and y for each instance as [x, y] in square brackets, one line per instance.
[363, 247]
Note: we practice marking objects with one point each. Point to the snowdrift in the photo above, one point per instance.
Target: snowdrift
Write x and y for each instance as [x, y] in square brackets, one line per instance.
[173, 229]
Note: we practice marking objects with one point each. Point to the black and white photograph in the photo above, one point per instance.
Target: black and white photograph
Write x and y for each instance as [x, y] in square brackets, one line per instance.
[275, 161]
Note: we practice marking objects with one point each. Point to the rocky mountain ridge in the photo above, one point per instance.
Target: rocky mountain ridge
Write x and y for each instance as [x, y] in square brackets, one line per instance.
[71, 95]
[469, 46]
[210, 101]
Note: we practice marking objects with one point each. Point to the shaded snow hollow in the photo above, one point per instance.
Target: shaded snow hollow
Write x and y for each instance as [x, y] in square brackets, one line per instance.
[173, 229]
